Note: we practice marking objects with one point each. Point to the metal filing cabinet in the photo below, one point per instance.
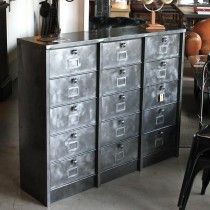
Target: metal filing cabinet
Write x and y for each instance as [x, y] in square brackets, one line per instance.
[96, 106]
[120, 107]
[160, 98]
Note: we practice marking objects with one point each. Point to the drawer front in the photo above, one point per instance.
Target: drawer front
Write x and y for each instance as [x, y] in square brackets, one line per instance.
[72, 116]
[72, 169]
[72, 88]
[72, 143]
[159, 95]
[161, 71]
[72, 60]
[158, 140]
[121, 52]
[159, 47]
[120, 79]
[121, 103]
[119, 153]
[118, 129]
[160, 117]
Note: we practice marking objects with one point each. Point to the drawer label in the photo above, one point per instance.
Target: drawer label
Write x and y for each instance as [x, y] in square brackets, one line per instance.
[73, 119]
[120, 131]
[121, 81]
[120, 107]
[163, 49]
[73, 91]
[159, 142]
[71, 146]
[119, 156]
[161, 74]
[73, 63]
[122, 56]
[72, 172]
[160, 120]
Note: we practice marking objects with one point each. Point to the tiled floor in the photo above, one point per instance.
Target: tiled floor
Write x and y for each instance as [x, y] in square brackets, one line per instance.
[154, 188]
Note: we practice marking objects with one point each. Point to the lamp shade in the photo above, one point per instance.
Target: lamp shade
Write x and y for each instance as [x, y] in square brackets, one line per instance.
[166, 1]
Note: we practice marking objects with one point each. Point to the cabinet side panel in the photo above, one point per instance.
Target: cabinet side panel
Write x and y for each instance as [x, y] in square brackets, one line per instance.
[32, 120]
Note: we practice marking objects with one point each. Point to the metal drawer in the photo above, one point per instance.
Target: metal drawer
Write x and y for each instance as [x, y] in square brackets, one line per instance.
[119, 79]
[159, 95]
[72, 116]
[119, 153]
[72, 143]
[158, 140]
[72, 60]
[121, 103]
[160, 47]
[121, 53]
[160, 71]
[72, 169]
[72, 88]
[160, 117]
[120, 128]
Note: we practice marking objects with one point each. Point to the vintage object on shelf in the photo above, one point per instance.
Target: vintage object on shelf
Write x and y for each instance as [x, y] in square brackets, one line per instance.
[105, 104]
[5, 80]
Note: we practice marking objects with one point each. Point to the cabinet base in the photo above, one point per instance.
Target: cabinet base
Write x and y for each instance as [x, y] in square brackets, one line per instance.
[5, 88]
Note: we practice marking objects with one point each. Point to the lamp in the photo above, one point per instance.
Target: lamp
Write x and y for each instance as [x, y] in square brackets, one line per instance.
[50, 24]
[158, 6]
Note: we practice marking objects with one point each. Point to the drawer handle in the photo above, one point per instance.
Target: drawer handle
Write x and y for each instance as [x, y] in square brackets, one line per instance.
[123, 45]
[162, 88]
[164, 39]
[122, 97]
[74, 162]
[163, 64]
[120, 146]
[160, 111]
[121, 122]
[74, 52]
[74, 108]
[74, 135]
[74, 80]
[160, 133]
[122, 71]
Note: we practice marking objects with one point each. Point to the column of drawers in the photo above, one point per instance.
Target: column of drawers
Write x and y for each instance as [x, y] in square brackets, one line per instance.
[72, 114]
[160, 97]
[120, 104]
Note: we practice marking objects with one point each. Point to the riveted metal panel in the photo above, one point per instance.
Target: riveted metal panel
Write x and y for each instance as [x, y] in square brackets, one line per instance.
[162, 46]
[72, 60]
[158, 95]
[119, 79]
[160, 117]
[160, 71]
[72, 116]
[72, 143]
[121, 103]
[72, 169]
[119, 153]
[120, 128]
[121, 53]
[74, 88]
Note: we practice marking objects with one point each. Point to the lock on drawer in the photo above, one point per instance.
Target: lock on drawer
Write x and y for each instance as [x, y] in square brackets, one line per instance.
[72, 169]
[119, 153]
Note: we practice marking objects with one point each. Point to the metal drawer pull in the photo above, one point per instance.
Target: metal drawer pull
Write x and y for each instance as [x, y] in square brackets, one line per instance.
[122, 71]
[163, 64]
[74, 108]
[74, 80]
[122, 97]
[160, 133]
[121, 122]
[120, 146]
[162, 88]
[123, 45]
[74, 162]
[160, 111]
[164, 39]
[74, 52]
[74, 135]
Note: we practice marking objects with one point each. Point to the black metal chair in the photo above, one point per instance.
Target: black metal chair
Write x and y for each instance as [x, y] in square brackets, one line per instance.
[199, 158]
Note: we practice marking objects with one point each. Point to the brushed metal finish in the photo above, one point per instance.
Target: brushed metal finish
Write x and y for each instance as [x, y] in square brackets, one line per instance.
[159, 95]
[119, 79]
[159, 140]
[120, 128]
[120, 103]
[74, 60]
[72, 169]
[160, 71]
[121, 53]
[160, 117]
[119, 153]
[72, 143]
[162, 46]
[79, 87]
[72, 116]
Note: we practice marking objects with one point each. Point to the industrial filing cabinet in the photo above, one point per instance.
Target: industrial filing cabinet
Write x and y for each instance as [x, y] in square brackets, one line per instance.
[95, 106]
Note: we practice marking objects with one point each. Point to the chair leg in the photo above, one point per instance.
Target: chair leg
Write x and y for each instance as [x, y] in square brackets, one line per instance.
[205, 180]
